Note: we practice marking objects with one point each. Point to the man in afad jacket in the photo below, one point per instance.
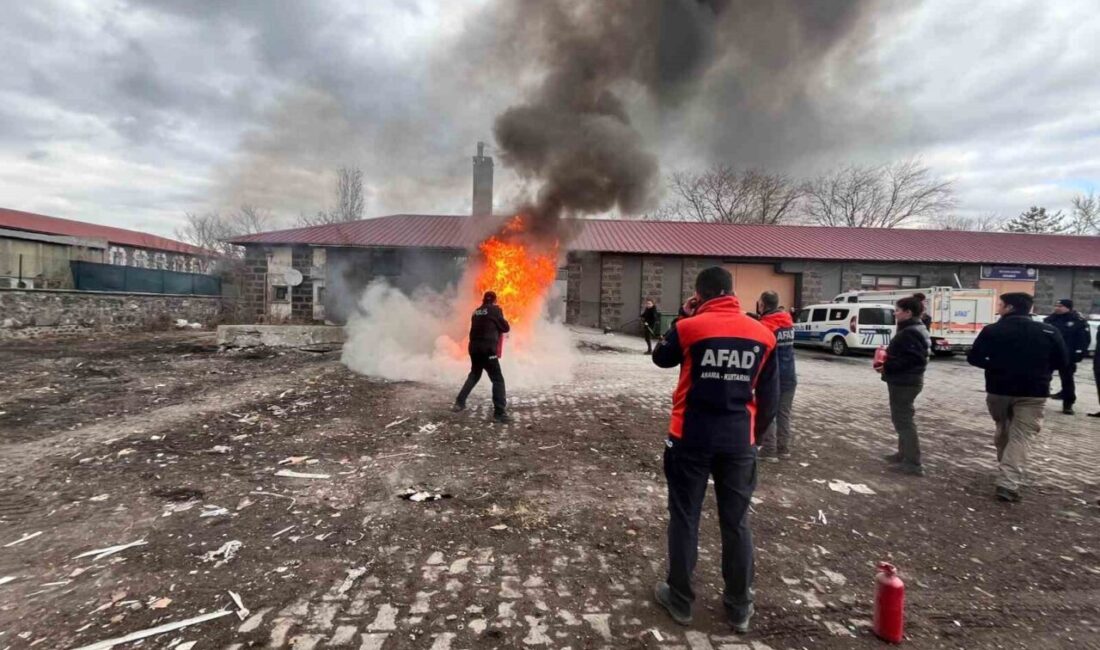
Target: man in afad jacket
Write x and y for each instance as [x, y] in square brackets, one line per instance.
[1019, 356]
[776, 441]
[1076, 335]
[726, 397]
[487, 325]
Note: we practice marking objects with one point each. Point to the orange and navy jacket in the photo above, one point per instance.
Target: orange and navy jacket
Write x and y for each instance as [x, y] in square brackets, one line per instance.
[781, 324]
[729, 386]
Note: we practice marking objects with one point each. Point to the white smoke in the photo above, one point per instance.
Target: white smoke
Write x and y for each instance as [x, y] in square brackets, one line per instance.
[423, 338]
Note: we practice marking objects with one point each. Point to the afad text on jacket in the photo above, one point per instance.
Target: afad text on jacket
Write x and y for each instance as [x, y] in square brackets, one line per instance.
[781, 325]
[729, 385]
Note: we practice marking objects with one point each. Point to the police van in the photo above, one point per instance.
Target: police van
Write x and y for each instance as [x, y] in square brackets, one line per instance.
[843, 327]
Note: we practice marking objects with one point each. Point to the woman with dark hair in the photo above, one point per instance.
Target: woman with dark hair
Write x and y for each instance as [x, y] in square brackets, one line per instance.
[903, 372]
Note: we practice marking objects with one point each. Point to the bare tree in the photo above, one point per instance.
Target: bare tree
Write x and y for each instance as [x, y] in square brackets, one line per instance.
[724, 194]
[885, 196]
[349, 200]
[1084, 218]
[212, 229]
[991, 222]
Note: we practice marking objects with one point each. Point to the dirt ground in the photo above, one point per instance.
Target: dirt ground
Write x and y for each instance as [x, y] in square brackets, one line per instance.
[549, 532]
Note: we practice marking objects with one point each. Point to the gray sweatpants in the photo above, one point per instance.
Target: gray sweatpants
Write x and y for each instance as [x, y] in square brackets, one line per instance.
[1018, 422]
[777, 438]
[902, 412]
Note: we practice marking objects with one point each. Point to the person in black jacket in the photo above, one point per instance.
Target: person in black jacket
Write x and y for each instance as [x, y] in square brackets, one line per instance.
[1019, 356]
[903, 372]
[1096, 376]
[486, 327]
[650, 323]
[1075, 334]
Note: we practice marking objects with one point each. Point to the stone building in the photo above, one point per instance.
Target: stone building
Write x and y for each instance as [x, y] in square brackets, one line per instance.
[317, 273]
[36, 250]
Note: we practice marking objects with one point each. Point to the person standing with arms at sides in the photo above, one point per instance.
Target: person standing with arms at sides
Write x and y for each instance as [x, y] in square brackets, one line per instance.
[776, 442]
[650, 323]
[1019, 356]
[726, 397]
[903, 372]
[1075, 334]
[487, 327]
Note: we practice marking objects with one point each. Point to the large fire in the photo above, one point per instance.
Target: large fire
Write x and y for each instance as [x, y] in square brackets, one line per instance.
[519, 271]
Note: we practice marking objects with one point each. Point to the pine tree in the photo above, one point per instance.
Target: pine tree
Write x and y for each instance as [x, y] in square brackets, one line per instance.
[1037, 221]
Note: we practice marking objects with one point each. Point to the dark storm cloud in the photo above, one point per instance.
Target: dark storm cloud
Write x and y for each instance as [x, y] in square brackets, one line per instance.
[141, 111]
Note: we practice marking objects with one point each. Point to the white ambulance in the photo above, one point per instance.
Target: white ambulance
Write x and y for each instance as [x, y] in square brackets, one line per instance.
[957, 314]
[845, 327]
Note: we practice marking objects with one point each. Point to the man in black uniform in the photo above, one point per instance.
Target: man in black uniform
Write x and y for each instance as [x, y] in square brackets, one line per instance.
[1075, 333]
[486, 327]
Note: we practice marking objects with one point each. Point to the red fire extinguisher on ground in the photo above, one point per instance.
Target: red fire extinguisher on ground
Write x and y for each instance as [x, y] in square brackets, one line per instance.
[889, 624]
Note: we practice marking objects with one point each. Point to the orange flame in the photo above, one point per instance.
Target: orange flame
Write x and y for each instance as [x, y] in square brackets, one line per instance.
[520, 274]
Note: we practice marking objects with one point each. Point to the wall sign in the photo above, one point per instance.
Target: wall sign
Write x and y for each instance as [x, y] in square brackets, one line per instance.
[1024, 273]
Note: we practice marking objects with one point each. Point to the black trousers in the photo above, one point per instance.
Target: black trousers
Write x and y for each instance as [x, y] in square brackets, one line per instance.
[734, 475]
[649, 332]
[1069, 386]
[490, 364]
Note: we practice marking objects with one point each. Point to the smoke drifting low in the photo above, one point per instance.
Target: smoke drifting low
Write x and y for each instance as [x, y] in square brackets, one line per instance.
[419, 338]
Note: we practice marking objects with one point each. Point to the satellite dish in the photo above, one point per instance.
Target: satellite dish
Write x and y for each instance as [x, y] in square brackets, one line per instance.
[293, 277]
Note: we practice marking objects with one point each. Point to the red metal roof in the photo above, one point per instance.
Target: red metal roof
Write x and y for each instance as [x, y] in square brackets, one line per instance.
[18, 220]
[721, 240]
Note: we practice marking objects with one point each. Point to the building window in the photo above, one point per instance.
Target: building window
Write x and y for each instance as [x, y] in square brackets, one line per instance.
[889, 281]
[118, 256]
[387, 262]
[282, 294]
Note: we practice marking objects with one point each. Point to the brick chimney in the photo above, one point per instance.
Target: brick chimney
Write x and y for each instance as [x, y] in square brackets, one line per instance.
[483, 183]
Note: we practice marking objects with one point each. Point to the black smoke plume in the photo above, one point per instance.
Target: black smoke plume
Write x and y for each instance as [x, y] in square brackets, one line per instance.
[573, 133]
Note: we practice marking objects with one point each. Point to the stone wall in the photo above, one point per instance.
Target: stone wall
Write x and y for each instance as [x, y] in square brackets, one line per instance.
[1086, 291]
[40, 313]
[252, 278]
[611, 290]
[301, 296]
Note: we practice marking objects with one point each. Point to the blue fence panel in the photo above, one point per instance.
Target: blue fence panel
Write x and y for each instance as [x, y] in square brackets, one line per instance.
[91, 276]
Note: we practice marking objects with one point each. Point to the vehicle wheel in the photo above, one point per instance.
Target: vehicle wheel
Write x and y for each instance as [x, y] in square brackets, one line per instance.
[839, 346]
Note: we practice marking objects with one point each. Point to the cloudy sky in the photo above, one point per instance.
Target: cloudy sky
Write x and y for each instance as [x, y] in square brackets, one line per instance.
[135, 113]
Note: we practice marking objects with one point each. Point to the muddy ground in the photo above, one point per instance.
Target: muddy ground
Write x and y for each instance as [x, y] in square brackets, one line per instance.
[549, 532]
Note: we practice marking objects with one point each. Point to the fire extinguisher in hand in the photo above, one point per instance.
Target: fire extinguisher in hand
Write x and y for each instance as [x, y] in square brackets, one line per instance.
[889, 623]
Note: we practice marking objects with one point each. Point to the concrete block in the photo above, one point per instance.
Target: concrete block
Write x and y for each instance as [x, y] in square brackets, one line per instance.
[279, 336]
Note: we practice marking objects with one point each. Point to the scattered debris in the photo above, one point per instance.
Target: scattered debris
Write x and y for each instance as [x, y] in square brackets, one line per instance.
[413, 494]
[6, 579]
[821, 518]
[285, 530]
[100, 497]
[396, 422]
[292, 474]
[844, 487]
[220, 449]
[224, 554]
[499, 527]
[244, 503]
[210, 510]
[242, 611]
[22, 539]
[177, 494]
[160, 603]
[153, 631]
[431, 427]
[110, 550]
[293, 460]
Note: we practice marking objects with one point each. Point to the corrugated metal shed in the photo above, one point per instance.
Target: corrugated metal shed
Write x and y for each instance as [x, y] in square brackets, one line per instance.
[721, 240]
[40, 223]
